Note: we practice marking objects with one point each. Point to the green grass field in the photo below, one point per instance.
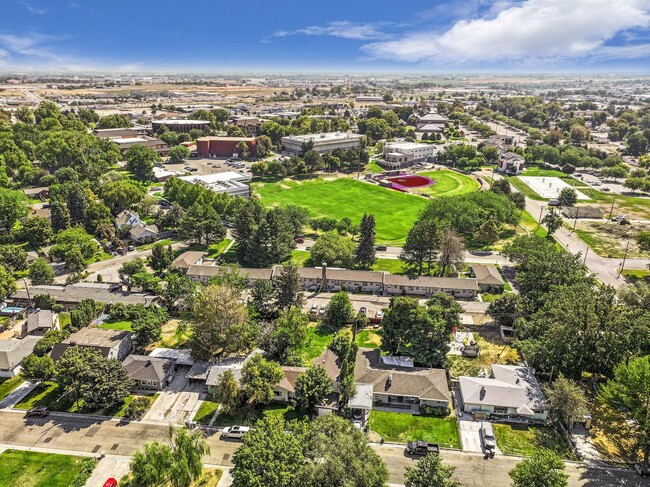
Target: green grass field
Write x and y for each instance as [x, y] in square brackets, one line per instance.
[524, 440]
[206, 412]
[403, 427]
[394, 266]
[318, 337]
[7, 386]
[369, 339]
[448, 183]
[394, 212]
[32, 469]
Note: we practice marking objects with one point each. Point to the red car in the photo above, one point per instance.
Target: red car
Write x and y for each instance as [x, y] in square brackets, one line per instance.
[110, 483]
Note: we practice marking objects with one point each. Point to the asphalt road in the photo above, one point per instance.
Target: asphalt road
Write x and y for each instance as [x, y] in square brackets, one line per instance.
[71, 433]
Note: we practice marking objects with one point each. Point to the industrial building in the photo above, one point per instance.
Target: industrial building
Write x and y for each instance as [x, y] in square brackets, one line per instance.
[325, 142]
[221, 146]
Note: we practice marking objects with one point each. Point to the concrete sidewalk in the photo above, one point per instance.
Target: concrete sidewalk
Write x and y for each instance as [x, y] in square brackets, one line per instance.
[16, 395]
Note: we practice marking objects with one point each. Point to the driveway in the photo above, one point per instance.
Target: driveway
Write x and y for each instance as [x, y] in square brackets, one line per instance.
[109, 466]
[177, 402]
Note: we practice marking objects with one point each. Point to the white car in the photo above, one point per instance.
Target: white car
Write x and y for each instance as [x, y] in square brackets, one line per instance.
[235, 432]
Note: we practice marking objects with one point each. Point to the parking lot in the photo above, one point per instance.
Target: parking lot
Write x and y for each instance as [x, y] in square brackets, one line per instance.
[201, 166]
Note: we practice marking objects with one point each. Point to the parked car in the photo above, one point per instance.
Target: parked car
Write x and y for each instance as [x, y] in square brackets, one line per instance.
[314, 309]
[299, 239]
[363, 310]
[381, 248]
[379, 314]
[38, 412]
[422, 448]
[110, 483]
[487, 435]
[322, 310]
[130, 248]
[553, 202]
[643, 469]
[235, 432]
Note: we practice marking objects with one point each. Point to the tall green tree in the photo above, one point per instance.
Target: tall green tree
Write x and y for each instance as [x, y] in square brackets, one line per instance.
[226, 392]
[339, 311]
[312, 387]
[140, 161]
[334, 250]
[202, 225]
[161, 257]
[544, 469]
[430, 472]
[568, 403]
[289, 288]
[628, 391]
[41, 272]
[553, 221]
[36, 231]
[421, 247]
[38, 369]
[258, 378]
[13, 206]
[289, 336]
[366, 254]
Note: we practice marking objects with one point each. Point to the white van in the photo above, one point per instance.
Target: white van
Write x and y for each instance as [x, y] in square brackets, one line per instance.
[487, 435]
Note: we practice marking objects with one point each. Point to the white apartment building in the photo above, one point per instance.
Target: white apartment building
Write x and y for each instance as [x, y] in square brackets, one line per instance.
[325, 142]
[230, 182]
[403, 154]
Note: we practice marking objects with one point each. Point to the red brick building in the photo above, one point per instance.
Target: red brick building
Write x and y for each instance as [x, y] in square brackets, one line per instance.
[221, 146]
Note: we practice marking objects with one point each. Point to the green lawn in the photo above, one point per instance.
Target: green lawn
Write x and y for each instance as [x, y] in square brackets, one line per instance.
[116, 325]
[248, 417]
[218, 248]
[524, 188]
[374, 168]
[318, 338]
[394, 266]
[206, 411]
[369, 339]
[394, 212]
[636, 275]
[7, 386]
[403, 427]
[32, 469]
[449, 183]
[520, 439]
[151, 245]
[49, 394]
[121, 409]
[302, 258]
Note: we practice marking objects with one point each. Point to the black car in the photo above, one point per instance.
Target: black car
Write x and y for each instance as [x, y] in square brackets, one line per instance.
[38, 412]
[381, 248]
[643, 469]
[422, 448]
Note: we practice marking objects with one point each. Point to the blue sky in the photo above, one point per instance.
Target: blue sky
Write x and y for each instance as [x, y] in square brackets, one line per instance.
[336, 35]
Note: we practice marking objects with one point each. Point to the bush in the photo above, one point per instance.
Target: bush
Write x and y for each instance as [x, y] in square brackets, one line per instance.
[440, 412]
[137, 408]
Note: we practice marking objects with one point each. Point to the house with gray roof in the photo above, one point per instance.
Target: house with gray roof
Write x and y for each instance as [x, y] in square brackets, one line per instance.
[39, 323]
[489, 278]
[512, 392]
[110, 343]
[12, 353]
[149, 373]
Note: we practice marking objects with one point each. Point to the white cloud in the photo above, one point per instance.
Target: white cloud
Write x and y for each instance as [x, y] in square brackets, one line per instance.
[532, 29]
[33, 45]
[341, 29]
[33, 9]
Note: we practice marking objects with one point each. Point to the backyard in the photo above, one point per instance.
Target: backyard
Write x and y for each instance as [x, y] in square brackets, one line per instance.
[120, 325]
[394, 212]
[493, 351]
[32, 469]
[521, 439]
[403, 427]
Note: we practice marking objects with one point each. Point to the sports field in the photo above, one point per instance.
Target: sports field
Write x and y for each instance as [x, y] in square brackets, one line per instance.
[394, 212]
[448, 183]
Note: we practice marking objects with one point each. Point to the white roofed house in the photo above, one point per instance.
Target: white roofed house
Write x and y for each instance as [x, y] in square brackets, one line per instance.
[512, 393]
[511, 163]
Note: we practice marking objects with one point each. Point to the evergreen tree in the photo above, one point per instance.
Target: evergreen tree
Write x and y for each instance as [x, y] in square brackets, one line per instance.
[421, 246]
[161, 256]
[273, 240]
[289, 288]
[311, 388]
[60, 215]
[488, 233]
[365, 257]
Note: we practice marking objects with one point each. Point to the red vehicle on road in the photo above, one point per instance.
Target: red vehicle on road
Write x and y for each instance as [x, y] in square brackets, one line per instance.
[110, 483]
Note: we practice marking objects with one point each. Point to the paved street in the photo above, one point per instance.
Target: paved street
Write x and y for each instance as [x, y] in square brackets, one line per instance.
[72, 433]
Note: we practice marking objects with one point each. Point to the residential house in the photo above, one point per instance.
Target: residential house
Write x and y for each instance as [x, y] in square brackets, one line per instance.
[139, 230]
[398, 384]
[12, 353]
[216, 369]
[71, 295]
[39, 323]
[332, 280]
[512, 392]
[151, 373]
[187, 259]
[489, 278]
[110, 343]
[511, 163]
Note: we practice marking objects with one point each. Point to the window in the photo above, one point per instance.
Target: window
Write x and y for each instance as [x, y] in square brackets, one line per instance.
[500, 410]
[277, 393]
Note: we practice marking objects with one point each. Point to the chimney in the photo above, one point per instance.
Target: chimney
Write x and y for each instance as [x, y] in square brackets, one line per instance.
[323, 284]
[390, 380]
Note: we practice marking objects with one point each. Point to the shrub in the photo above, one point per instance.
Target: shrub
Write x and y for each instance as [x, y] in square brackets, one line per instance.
[137, 408]
[426, 410]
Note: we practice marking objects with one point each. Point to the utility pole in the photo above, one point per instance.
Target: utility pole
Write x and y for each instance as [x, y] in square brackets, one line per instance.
[28, 296]
[624, 258]
[611, 210]
[540, 214]
[575, 222]
[586, 252]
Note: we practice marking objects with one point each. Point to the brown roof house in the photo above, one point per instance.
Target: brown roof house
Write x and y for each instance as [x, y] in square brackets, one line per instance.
[398, 385]
[111, 343]
[189, 258]
[488, 277]
[149, 373]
